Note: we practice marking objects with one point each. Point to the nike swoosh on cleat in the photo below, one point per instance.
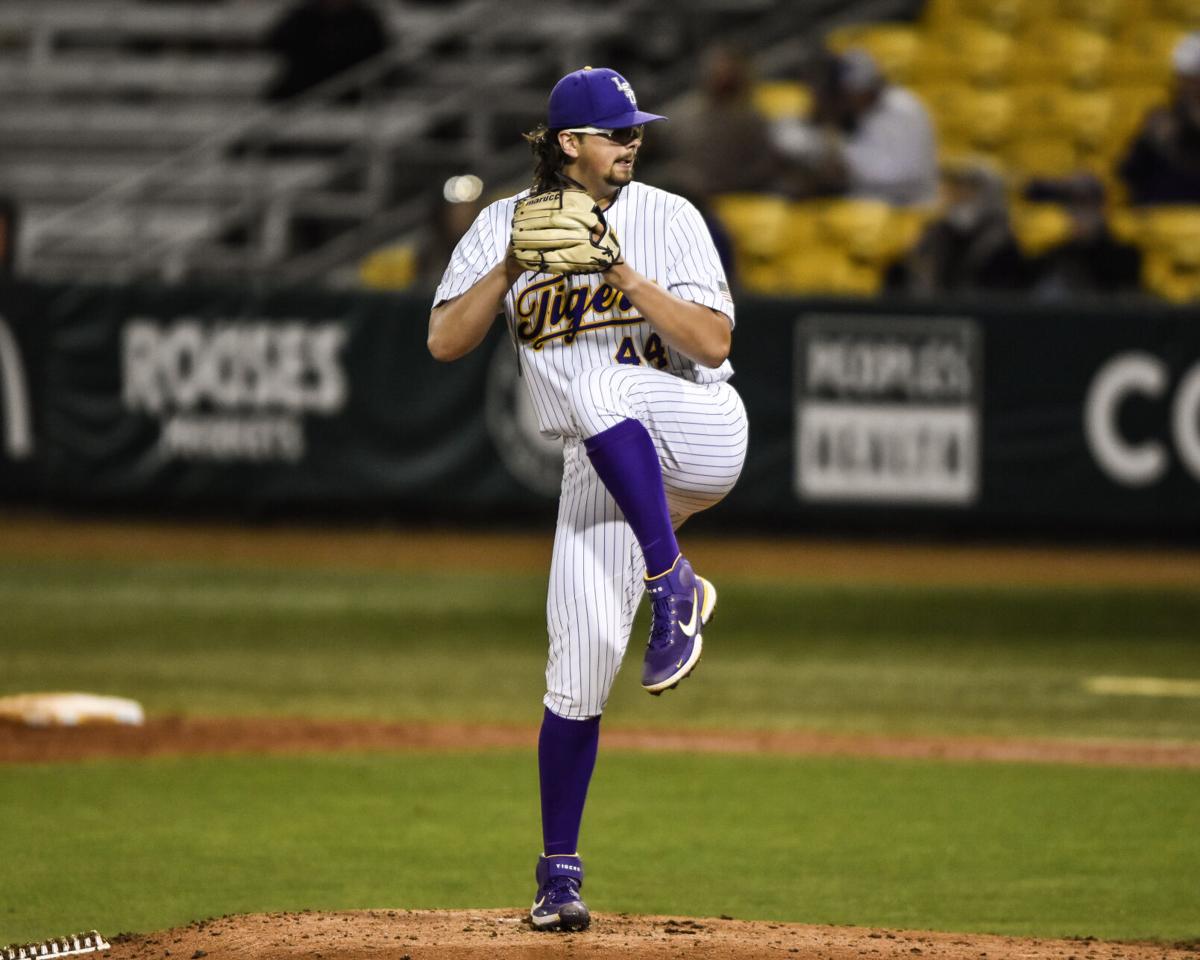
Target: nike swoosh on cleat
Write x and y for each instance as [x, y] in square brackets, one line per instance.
[689, 628]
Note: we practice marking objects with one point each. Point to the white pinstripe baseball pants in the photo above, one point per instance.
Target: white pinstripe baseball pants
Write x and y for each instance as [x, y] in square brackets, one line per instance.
[596, 575]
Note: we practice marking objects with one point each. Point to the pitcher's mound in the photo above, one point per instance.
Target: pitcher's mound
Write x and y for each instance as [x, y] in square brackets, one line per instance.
[443, 934]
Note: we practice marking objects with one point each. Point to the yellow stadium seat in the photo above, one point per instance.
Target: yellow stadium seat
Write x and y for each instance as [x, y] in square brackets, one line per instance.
[1086, 117]
[981, 120]
[1004, 15]
[1034, 109]
[1142, 53]
[1186, 13]
[390, 268]
[1042, 156]
[805, 223]
[1170, 239]
[1039, 226]
[1171, 228]
[871, 231]
[1126, 223]
[782, 100]
[858, 227]
[1169, 277]
[756, 223]
[966, 51]
[895, 47]
[1105, 16]
[768, 278]
[1056, 51]
[1050, 119]
[822, 270]
[816, 246]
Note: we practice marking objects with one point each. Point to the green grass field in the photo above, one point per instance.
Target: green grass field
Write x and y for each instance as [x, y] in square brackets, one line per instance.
[1005, 848]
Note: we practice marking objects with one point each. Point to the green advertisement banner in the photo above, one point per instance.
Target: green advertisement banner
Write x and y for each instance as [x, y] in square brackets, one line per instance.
[865, 416]
[22, 359]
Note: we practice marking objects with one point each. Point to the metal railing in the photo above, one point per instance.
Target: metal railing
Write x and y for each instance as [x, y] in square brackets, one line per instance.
[386, 124]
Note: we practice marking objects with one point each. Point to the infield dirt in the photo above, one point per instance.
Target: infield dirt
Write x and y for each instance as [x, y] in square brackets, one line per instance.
[186, 736]
[471, 934]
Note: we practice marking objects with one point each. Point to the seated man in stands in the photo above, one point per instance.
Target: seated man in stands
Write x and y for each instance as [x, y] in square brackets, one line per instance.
[1163, 164]
[717, 142]
[866, 138]
[318, 39]
[1090, 261]
[970, 246]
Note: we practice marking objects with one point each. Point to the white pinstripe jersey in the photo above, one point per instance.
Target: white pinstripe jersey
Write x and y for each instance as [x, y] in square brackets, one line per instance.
[566, 325]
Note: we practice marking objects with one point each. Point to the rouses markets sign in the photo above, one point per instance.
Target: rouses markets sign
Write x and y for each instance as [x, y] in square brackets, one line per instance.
[227, 390]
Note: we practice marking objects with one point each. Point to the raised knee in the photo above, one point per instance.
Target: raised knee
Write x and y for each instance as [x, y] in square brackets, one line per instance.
[599, 399]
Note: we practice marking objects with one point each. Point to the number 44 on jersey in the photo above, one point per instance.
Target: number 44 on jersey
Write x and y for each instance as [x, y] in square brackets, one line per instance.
[653, 351]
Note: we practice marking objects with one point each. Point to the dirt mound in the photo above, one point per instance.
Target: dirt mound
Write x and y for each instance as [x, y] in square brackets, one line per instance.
[441, 935]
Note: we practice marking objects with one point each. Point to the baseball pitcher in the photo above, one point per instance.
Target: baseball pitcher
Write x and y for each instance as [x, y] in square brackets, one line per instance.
[619, 307]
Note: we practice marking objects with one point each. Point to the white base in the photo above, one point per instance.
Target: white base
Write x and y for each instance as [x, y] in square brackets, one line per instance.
[70, 710]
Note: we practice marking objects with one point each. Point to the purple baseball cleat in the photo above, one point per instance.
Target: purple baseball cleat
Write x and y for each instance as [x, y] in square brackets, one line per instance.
[683, 603]
[558, 905]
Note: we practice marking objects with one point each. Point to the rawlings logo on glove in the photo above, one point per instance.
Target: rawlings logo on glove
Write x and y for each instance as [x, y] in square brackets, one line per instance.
[563, 232]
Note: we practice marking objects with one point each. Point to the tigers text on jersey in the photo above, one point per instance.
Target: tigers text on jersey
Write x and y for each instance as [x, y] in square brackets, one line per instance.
[566, 325]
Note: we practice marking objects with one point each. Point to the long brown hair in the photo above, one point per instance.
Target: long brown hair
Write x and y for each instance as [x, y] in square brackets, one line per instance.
[548, 159]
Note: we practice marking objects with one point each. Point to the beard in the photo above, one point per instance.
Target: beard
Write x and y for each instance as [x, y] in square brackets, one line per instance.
[619, 175]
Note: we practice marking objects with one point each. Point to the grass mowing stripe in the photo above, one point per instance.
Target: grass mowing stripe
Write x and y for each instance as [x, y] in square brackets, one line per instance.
[412, 646]
[1003, 848]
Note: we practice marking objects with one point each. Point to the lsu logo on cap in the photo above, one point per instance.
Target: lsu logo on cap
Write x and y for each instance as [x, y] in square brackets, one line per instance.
[625, 88]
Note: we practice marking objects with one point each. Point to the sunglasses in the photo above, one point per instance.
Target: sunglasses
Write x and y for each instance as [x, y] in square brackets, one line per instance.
[622, 136]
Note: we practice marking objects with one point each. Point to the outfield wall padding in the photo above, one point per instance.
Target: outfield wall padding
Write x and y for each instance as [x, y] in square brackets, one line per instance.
[988, 416]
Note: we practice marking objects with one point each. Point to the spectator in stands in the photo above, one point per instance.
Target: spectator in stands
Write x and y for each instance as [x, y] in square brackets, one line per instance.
[1091, 260]
[866, 137]
[970, 246]
[1163, 164]
[717, 142]
[318, 39]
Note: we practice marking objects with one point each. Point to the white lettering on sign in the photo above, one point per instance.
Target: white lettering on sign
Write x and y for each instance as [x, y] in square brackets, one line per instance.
[934, 370]
[253, 438]
[227, 390]
[1141, 462]
[14, 394]
[888, 452]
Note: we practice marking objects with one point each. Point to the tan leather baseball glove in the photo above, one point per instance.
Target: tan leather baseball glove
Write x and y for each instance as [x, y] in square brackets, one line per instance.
[563, 231]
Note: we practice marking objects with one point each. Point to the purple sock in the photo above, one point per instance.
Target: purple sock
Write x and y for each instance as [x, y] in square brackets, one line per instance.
[625, 458]
[566, 758]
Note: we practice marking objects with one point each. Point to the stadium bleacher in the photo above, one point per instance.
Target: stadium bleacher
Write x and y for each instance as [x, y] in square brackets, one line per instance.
[133, 130]
[1051, 87]
[127, 121]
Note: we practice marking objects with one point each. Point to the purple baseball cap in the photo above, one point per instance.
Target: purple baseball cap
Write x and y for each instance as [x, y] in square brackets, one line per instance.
[596, 97]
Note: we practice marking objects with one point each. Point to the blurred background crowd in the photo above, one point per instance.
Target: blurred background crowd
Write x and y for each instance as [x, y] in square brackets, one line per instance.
[1040, 148]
